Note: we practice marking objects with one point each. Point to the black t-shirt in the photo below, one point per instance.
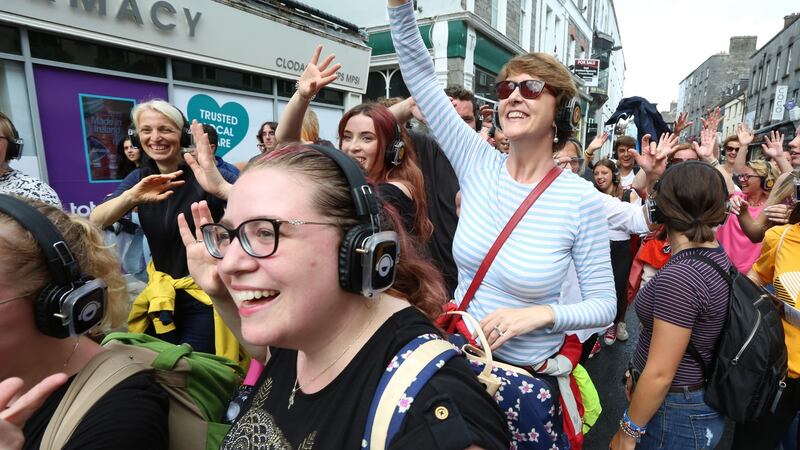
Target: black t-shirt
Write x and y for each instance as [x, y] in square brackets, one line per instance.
[405, 206]
[160, 219]
[132, 416]
[335, 417]
[441, 187]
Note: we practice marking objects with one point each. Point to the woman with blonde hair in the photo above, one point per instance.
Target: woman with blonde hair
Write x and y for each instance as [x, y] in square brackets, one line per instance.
[51, 322]
[172, 307]
[757, 179]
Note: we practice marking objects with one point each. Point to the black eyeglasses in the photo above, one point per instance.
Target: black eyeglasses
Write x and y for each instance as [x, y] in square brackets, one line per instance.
[258, 237]
[743, 177]
[529, 89]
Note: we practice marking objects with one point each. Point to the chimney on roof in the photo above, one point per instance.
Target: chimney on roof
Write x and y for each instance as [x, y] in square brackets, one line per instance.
[788, 20]
[742, 45]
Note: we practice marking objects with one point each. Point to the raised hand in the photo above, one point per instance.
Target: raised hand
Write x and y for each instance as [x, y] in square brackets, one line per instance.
[653, 157]
[487, 115]
[202, 266]
[711, 121]
[317, 75]
[681, 124]
[596, 144]
[13, 415]
[705, 150]
[155, 188]
[204, 165]
[738, 205]
[745, 135]
[773, 145]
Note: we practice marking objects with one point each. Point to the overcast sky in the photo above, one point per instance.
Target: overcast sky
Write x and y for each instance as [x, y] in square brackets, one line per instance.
[664, 40]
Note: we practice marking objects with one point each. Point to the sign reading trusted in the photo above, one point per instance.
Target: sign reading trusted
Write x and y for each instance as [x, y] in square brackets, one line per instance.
[230, 120]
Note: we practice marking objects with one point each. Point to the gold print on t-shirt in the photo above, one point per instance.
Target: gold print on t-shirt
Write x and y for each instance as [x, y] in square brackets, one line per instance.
[257, 430]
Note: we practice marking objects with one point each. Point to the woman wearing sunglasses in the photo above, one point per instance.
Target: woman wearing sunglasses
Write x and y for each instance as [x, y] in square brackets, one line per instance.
[517, 302]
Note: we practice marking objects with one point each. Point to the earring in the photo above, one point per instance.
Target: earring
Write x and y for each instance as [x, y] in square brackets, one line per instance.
[555, 134]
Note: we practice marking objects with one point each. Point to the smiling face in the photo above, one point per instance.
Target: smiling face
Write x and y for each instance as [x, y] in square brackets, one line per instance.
[523, 118]
[360, 141]
[131, 152]
[568, 151]
[731, 150]
[750, 182]
[160, 138]
[603, 177]
[285, 296]
[624, 157]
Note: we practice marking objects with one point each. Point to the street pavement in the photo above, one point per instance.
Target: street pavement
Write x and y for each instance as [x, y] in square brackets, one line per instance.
[607, 369]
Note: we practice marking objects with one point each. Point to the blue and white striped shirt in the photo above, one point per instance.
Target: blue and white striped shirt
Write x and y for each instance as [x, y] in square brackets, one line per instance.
[567, 223]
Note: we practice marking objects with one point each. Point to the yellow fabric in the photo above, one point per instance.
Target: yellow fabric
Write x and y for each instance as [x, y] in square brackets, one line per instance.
[159, 295]
[767, 267]
[589, 397]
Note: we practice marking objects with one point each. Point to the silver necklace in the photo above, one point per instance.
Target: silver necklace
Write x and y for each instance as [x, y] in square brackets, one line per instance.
[297, 386]
[72, 353]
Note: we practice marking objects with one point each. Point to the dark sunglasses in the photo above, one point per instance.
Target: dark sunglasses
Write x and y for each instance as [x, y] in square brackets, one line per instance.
[529, 89]
[728, 148]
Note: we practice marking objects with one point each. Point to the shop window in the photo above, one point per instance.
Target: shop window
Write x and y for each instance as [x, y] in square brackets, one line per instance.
[327, 96]
[85, 53]
[376, 86]
[484, 84]
[217, 76]
[9, 40]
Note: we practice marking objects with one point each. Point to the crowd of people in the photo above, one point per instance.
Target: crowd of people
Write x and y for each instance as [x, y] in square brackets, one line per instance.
[314, 267]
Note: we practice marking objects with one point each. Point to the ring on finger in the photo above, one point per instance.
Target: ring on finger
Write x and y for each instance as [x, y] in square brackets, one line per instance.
[499, 331]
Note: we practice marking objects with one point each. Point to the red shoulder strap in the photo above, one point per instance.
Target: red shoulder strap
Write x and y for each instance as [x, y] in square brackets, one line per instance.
[512, 223]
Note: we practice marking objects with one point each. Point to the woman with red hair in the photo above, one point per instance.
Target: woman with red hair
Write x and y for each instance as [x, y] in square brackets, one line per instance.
[372, 136]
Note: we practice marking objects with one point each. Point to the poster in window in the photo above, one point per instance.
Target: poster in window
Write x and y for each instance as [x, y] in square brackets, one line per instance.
[105, 125]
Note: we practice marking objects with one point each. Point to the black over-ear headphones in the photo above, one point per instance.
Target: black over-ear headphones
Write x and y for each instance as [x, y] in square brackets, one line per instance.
[72, 303]
[615, 174]
[186, 134]
[396, 150]
[15, 142]
[368, 257]
[655, 213]
[767, 183]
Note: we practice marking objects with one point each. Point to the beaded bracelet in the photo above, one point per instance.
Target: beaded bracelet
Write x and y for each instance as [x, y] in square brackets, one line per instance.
[630, 428]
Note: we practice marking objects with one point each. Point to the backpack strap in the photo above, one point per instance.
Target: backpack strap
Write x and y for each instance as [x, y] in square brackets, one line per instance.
[691, 349]
[407, 373]
[100, 375]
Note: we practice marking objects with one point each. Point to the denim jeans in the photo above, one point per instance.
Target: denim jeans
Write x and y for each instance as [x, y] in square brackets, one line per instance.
[683, 421]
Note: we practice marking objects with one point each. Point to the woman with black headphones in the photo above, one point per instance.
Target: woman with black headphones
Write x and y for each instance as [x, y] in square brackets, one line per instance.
[166, 185]
[60, 290]
[686, 301]
[12, 181]
[370, 134]
[305, 263]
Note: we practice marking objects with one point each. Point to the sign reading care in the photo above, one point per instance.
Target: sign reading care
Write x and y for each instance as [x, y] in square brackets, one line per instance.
[235, 117]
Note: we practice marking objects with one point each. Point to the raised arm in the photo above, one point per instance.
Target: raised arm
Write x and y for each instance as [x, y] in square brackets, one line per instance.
[132, 193]
[745, 135]
[314, 78]
[460, 143]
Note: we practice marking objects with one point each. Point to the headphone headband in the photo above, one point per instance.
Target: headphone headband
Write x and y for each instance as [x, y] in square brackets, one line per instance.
[60, 261]
[363, 197]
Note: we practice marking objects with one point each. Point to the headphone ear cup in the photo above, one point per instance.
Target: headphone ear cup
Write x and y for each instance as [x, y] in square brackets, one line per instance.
[395, 153]
[569, 115]
[767, 183]
[350, 270]
[134, 137]
[46, 305]
[187, 140]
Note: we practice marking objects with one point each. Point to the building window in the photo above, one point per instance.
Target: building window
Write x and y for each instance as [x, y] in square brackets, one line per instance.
[484, 84]
[777, 67]
[788, 60]
[754, 83]
[9, 40]
[495, 12]
[523, 18]
[766, 74]
[328, 96]
[218, 76]
[85, 53]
